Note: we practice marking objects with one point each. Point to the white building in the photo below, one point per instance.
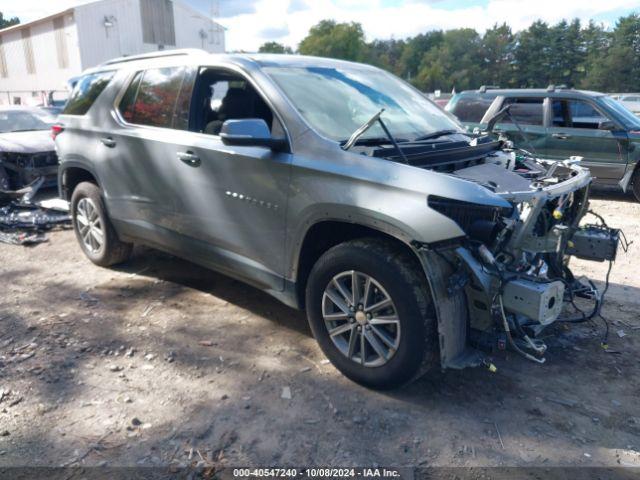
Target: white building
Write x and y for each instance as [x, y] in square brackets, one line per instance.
[39, 57]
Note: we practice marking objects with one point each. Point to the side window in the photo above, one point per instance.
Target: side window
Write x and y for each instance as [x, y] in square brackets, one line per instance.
[220, 96]
[472, 108]
[86, 91]
[583, 115]
[525, 111]
[159, 97]
[576, 114]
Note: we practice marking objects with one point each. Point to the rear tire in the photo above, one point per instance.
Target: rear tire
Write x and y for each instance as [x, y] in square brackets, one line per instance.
[94, 231]
[394, 353]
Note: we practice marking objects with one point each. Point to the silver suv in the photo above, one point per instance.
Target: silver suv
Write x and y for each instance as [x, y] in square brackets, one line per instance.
[337, 188]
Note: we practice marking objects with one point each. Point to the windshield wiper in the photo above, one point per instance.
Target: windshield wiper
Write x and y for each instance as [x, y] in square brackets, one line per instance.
[362, 130]
[437, 134]
[376, 140]
[370, 123]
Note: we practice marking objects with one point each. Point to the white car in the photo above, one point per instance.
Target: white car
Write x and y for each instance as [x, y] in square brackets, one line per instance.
[630, 100]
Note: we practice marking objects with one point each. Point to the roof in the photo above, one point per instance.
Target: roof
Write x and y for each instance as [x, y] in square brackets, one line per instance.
[20, 26]
[258, 59]
[534, 92]
[289, 60]
[90, 2]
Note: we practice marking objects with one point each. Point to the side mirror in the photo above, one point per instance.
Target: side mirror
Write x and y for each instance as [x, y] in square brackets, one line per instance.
[250, 132]
[606, 125]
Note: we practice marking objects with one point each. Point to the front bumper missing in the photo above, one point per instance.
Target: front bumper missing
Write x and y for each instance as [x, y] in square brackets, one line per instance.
[466, 292]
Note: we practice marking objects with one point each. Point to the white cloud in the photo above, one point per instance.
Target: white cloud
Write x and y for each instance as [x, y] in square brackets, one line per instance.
[406, 19]
[288, 21]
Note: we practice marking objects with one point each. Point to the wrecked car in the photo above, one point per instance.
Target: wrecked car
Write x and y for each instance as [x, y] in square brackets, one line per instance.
[338, 189]
[27, 152]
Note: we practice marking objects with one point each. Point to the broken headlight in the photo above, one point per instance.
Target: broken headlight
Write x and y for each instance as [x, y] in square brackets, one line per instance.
[468, 214]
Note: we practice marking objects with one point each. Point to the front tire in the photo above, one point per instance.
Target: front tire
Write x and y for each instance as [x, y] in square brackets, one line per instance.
[94, 231]
[369, 307]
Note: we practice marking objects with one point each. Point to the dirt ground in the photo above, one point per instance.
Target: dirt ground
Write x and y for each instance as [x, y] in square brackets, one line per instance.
[161, 362]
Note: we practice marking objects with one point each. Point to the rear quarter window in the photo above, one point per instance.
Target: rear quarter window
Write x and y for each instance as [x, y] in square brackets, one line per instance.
[472, 108]
[86, 91]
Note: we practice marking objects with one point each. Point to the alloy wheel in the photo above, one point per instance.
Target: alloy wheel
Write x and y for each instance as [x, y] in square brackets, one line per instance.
[89, 225]
[361, 318]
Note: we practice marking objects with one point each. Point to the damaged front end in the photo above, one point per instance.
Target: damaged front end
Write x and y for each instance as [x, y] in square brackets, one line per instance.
[24, 168]
[509, 277]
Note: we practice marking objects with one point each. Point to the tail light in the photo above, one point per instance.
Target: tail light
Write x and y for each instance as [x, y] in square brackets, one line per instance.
[56, 130]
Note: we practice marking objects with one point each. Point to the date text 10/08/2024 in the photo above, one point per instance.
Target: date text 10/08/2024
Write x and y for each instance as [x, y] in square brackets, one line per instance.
[320, 472]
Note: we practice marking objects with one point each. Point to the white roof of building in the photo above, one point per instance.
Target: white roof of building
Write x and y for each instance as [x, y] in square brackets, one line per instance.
[87, 2]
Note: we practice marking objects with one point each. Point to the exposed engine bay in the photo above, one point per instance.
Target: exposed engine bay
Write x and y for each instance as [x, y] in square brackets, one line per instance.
[509, 277]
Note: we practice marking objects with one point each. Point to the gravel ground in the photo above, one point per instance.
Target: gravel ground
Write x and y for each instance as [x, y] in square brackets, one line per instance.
[161, 362]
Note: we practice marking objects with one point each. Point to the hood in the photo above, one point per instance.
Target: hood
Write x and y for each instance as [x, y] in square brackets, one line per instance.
[34, 141]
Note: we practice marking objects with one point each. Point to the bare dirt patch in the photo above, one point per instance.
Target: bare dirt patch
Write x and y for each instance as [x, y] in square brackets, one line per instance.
[162, 362]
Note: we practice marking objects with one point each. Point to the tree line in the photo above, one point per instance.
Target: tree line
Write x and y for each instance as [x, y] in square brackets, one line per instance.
[8, 22]
[567, 53]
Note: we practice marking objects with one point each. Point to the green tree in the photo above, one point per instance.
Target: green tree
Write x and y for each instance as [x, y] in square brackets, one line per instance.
[532, 56]
[335, 40]
[456, 63]
[8, 22]
[498, 45]
[618, 66]
[414, 50]
[566, 55]
[595, 43]
[274, 47]
[387, 54]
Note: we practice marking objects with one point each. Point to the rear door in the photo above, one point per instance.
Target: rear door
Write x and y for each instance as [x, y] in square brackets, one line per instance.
[142, 150]
[574, 131]
[525, 125]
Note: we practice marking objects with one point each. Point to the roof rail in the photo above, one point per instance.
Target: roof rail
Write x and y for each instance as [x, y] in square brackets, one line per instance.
[159, 54]
[484, 88]
[553, 88]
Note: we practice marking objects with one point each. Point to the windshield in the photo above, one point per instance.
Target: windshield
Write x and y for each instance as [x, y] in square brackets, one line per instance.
[625, 115]
[337, 101]
[22, 120]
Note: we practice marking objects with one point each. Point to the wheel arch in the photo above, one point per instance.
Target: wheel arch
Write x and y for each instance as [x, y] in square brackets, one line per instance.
[324, 234]
[71, 174]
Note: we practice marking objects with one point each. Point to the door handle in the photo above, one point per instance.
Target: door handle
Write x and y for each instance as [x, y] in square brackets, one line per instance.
[108, 142]
[189, 158]
[561, 136]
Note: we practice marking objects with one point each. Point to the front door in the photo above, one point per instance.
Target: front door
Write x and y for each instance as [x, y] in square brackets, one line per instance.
[234, 199]
[575, 131]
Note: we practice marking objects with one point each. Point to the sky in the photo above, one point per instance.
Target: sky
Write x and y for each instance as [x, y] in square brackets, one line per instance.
[250, 23]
